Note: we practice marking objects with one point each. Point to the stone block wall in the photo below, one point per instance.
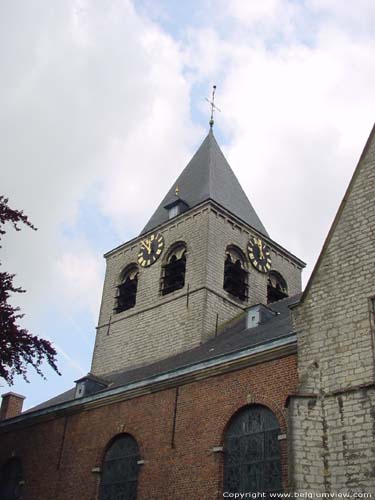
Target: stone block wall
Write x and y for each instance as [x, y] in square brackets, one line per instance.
[332, 446]
[336, 348]
[158, 326]
[162, 325]
[225, 230]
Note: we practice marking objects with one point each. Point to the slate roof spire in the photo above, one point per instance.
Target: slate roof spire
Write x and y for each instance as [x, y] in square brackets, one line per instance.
[208, 176]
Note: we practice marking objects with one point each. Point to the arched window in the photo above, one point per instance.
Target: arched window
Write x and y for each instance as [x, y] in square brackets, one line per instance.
[174, 269]
[277, 288]
[252, 452]
[120, 470]
[11, 480]
[235, 274]
[127, 289]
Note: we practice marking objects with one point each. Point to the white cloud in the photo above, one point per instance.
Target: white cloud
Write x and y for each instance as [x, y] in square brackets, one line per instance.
[95, 117]
[79, 272]
[95, 107]
[298, 110]
[250, 12]
[95, 102]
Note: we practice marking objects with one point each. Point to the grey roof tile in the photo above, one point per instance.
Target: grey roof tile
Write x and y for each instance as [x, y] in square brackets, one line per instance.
[208, 175]
[235, 337]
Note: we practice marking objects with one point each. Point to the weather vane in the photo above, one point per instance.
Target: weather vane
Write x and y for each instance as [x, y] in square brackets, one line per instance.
[213, 107]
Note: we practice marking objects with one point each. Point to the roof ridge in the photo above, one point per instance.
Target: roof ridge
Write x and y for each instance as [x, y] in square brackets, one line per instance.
[208, 175]
[210, 159]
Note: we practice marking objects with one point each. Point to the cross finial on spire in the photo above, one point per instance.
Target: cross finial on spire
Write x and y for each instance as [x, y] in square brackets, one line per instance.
[213, 107]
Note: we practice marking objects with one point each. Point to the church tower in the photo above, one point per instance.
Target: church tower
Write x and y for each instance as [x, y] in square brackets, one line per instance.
[203, 258]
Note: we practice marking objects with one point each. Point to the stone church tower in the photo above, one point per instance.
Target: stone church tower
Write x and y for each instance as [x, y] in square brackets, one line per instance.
[212, 374]
[204, 218]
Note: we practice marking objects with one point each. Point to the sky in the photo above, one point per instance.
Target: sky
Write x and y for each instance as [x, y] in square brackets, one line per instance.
[102, 104]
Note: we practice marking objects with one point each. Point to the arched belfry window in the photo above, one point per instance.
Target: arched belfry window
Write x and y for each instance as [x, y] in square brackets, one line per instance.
[173, 277]
[127, 289]
[252, 452]
[11, 480]
[235, 274]
[277, 288]
[120, 470]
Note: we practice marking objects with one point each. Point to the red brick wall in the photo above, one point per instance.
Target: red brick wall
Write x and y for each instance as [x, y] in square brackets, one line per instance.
[58, 456]
[11, 405]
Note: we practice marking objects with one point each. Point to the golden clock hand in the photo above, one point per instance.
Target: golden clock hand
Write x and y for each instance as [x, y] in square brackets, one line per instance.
[146, 246]
[261, 254]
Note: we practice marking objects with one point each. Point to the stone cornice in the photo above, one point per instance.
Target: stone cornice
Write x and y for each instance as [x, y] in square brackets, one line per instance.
[235, 220]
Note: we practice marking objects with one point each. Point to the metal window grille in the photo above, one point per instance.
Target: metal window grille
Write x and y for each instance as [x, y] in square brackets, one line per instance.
[120, 470]
[252, 453]
[11, 480]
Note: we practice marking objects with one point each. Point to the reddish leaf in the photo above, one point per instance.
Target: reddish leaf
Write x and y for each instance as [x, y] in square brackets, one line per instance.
[18, 347]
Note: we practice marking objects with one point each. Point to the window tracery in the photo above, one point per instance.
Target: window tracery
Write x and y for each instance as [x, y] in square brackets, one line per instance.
[252, 452]
[120, 470]
[127, 289]
[11, 480]
[235, 274]
[277, 288]
[174, 270]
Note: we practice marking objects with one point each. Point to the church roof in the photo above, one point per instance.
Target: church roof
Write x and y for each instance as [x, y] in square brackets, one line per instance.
[235, 338]
[208, 176]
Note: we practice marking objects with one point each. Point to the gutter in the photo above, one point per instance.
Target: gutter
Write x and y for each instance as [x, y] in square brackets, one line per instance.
[229, 362]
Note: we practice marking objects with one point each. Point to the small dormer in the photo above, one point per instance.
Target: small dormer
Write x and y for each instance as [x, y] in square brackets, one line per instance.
[259, 314]
[89, 384]
[176, 205]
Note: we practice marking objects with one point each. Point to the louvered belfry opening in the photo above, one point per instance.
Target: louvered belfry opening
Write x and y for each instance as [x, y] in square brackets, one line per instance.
[235, 275]
[277, 288]
[127, 290]
[174, 270]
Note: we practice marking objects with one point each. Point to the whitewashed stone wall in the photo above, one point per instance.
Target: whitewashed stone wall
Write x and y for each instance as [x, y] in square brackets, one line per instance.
[160, 326]
[333, 431]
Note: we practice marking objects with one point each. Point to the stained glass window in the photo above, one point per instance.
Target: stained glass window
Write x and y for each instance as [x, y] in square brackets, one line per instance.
[252, 452]
[120, 470]
[11, 480]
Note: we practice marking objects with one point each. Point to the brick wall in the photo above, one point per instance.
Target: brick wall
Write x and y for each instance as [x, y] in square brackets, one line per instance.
[335, 350]
[160, 326]
[11, 405]
[58, 455]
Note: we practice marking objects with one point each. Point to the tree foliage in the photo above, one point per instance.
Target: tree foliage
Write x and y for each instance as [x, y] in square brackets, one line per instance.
[18, 348]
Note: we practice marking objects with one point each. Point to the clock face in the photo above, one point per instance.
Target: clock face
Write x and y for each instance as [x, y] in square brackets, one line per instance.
[259, 254]
[150, 249]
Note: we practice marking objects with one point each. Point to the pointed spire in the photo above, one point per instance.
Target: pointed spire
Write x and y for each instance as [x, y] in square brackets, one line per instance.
[208, 176]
